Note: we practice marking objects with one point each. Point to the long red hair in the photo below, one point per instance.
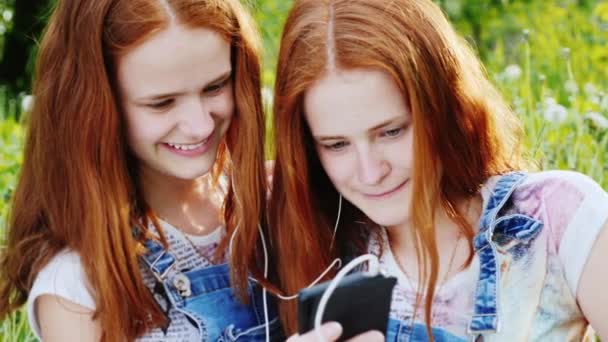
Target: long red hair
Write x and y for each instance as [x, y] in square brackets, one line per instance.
[77, 188]
[460, 123]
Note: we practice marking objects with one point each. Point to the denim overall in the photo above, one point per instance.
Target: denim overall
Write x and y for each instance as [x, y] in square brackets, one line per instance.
[498, 235]
[204, 295]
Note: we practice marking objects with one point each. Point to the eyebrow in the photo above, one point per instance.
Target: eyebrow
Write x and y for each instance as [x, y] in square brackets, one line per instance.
[155, 97]
[375, 128]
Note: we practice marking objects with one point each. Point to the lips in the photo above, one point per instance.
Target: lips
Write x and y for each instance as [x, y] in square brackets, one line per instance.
[387, 193]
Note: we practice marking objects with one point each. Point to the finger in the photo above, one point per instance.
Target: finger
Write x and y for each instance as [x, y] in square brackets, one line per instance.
[369, 336]
[293, 338]
[330, 331]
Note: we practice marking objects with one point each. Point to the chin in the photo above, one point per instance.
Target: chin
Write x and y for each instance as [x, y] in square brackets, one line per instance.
[188, 174]
[388, 220]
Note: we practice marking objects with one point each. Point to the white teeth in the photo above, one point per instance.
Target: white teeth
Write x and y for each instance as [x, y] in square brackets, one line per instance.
[187, 147]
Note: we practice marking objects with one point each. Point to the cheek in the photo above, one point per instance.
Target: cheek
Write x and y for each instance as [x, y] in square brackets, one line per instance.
[135, 127]
[223, 105]
[401, 154]
[145, 128]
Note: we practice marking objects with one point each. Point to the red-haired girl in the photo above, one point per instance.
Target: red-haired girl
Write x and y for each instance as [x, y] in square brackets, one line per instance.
[144, 155]
[382, 106]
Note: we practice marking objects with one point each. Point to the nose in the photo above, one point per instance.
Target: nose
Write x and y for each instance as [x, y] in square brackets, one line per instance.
[196, 120]
[372, 168]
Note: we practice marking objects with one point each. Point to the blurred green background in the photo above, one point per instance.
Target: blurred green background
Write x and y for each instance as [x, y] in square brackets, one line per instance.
[550, 59]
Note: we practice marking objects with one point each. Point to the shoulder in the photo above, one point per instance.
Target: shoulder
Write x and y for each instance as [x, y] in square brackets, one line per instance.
[62, 277]
[566, 184]
[573, 209]
[559, 197]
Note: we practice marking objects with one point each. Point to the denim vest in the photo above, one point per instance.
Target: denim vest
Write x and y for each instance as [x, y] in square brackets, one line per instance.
[521, 295]
[204, 295]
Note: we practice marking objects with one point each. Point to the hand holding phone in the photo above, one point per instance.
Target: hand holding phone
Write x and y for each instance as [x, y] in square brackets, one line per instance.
[332, 331]
[360, 303]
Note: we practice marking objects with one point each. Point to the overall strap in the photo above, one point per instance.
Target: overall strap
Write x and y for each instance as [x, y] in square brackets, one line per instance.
[485, 316]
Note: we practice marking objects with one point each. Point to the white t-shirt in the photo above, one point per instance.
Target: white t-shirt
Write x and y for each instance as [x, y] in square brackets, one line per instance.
[64, 277]
[573, 210]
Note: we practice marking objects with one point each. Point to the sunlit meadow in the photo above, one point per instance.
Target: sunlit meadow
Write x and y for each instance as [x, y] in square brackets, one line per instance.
[550, 59]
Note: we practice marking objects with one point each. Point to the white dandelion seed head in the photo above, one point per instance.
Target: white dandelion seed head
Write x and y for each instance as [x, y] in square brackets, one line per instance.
[267, 96]
[542, 77]
[604, 102]
[571, 87]
[590, 89]
[512, 72]
[7, 15]
[555, 113]
[597, 119]
[549, 101]
[27, 102]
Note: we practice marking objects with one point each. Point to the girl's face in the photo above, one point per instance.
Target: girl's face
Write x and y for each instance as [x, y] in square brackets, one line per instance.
[177, 97]
[363, 136]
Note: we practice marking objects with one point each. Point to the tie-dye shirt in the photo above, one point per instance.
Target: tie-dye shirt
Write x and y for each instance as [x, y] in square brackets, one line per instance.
[522, 282]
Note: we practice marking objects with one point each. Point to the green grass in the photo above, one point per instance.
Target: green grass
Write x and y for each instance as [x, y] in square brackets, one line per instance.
[548, 57]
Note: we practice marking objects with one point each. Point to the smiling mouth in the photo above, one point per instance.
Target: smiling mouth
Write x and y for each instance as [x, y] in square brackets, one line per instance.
[191, 146]
[188, 147]
[191, 149]
[387, 193]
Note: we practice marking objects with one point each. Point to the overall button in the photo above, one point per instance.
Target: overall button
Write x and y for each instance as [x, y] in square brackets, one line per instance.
[182, 284]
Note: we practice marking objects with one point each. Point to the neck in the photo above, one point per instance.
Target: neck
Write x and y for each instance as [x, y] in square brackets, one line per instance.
[190, 205]
[447, 235]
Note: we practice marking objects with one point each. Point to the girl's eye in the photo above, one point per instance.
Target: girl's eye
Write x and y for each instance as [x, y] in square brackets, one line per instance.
[338, 146]
[164, 104]
[216, 88]
[391, 133]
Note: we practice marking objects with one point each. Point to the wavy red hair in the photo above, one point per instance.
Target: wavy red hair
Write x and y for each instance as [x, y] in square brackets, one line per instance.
[77, 188]
[460, 121]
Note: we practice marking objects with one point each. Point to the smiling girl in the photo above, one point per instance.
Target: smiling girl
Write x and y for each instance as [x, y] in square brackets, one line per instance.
[143, 155]
[382, 110]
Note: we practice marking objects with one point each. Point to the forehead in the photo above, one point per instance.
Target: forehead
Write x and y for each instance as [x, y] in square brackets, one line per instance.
[174, 59]
[351, 101]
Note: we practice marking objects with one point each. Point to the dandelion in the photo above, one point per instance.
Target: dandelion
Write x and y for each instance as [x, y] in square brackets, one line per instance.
[554, 112]
[597, 119]
[604, 102]
[267, 97]
[549, 101]
[565, 52]
[512, 72]
[7, 15]
[542, 78]
[571, 87]
[526, 34]
[27, 102]
[590, 89]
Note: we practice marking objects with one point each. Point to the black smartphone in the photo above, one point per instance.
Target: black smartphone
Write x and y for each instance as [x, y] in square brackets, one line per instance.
[359, 303]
